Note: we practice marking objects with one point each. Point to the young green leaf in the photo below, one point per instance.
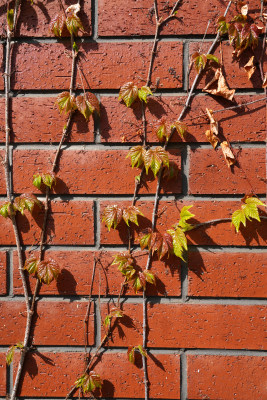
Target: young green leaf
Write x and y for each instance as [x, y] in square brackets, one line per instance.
[184, 216]
[150, 277]
[57, 24]
[7, 209]
[161, 130]
[107, 321]
[153, 159]
[89, 382]
[66, 102]
[74, 24]
[112, 216]
[199, 60]
[10, 19]
[37, 181]
[128, 93]
[213, 58]
[247, 211]
[137, 284]
[11, 352]
[180, 127]
[123, 259]
[47, 271]
[49, 179]
[31, 264]
[223, 26]
[136, 154]
[130, 214]
[144, 92]
[179, 242]
[87, 103]
[131, 352]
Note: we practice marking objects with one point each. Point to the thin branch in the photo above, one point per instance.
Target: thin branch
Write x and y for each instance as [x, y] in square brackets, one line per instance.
[229, 108]
[86, 318]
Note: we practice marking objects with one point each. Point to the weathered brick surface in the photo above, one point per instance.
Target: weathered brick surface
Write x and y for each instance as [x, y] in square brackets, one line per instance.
[226, 378]
[56, 323]
[82, 175]
[233, 69]
[75, 277]
[227, 274]
[220, 234]
[2, 374]
[103, 63]
[3, 273]
[121, 378]
[119, 123]
[209, 173]
[37, 119]
[35, 19]
[210, 326]
[61, 227]
[118, 18]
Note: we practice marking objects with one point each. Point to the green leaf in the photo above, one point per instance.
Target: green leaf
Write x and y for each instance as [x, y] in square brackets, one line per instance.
[75, 47]
[238, 217]
[150, 277]
[107, 321]
[10, 355]
[144, 92]
[31, 264]
[145, 239]
[89, 382]
[180, 127]
[199, 61]
[179, 242]
[184, 216]
[211, 57]
[49, 179]
[222, 25]
[141, 350]
[6, 210]
[128, 93]
[136, 154]
[131, 355]
[37, 181]
[10, 19]
[137, 284]
[153, 159]
[161, 130]
[66, 102]
[47, 271]
[247, 211]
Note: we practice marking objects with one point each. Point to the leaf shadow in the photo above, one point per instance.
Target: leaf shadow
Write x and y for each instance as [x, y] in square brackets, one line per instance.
[66, 283]
[198, 267]
[157, 362]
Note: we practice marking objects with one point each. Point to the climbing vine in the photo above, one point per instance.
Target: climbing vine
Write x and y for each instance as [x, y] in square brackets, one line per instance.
[243, 33]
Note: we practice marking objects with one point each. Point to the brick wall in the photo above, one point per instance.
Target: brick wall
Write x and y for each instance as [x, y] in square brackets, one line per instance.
[206, 317]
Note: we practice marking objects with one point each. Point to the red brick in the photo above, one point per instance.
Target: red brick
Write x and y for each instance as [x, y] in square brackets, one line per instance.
[37, 119]
[71, 222]
[227, 274]
[104, 64]
[3, 272]
[120, 377]
[89, 172]
[235, 73]
[75, 277]
[221, 234]
[118, 121]
[209, 172]
[193, 326]
[58, 323]
[137, 18]
[226, 377]
[34, 20]
[2, 374]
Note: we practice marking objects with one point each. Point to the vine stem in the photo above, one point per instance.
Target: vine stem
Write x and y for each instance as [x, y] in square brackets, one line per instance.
[159, 24]
[31, 307]
[86, 318]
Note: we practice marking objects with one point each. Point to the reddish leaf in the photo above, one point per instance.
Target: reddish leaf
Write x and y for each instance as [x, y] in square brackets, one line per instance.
[26, 201]
[145, 238]
[180, 127]
[137, 155]
[112, 216]
[87, 103]
[74, 24]
[49, 179]
[149, 277]
[89, 382]
[199, 61]
[153, 159]
[130, 214]
[47, 271]
[57, 24]
[161, 130]
[128, 93]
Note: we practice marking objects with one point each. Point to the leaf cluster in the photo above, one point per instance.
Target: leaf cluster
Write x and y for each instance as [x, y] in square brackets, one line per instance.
[129, 92]
[69, 20]
[151, 158]
[86, 103]
[248, 211]
[21, 203]
[46, 271]
[199, 60]
[114, 214]
[47, 179]
[89, 382]
[114, 313]
[242, 34]
[163, 130]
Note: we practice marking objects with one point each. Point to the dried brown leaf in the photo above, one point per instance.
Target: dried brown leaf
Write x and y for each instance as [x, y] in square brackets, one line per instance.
[222, 89]
[228, 154]
[212, 138]
[250, 67]
[213, 123]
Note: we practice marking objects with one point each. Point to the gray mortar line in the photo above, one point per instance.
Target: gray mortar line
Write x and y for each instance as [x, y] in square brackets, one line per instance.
[94, 15]
[183, 376]
[97, 224]
[9, 275]
[185, 65]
